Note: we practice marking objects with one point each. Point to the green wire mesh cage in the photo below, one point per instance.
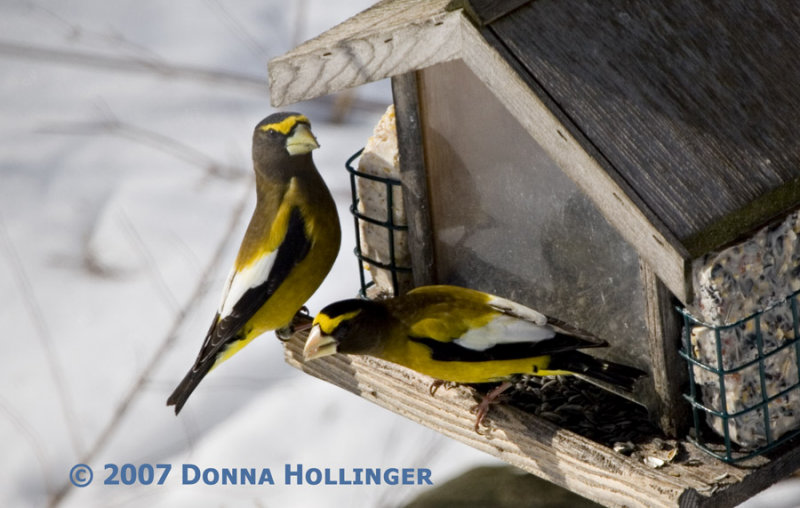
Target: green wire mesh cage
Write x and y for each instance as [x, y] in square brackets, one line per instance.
[743, 381]
[388, 223]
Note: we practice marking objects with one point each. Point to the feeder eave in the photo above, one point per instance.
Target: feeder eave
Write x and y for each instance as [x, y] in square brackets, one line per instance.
[394, 38]
[388, 39]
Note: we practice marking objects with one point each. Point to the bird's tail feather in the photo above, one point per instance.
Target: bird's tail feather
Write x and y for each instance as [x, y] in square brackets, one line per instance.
[187, 385]
[595, 368]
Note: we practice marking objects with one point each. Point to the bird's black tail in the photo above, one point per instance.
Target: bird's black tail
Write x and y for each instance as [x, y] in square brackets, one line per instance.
[595, 368]
[188, 384]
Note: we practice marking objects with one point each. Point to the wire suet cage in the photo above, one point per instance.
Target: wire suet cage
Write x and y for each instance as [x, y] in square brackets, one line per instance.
[744, 378]
[388, 222]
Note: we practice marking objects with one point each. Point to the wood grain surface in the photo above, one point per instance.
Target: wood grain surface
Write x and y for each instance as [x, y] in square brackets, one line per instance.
[692, 479]
[693, 103]
[390, 38]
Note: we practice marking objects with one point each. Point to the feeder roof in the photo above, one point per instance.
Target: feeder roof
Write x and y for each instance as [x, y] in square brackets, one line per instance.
[677, 118]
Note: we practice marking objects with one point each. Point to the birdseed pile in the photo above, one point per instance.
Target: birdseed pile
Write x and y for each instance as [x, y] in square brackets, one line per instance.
[583, 408]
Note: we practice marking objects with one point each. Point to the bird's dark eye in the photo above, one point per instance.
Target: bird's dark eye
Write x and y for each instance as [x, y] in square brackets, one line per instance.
[272, 133]
[343, 329]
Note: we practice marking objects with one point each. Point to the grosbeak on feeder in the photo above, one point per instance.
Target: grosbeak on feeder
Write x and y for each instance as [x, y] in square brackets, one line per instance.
[460, 335]
[288, 249]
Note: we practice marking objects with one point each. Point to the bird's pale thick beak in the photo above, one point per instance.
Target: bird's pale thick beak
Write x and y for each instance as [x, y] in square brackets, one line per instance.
[318, 345]
[301, 141]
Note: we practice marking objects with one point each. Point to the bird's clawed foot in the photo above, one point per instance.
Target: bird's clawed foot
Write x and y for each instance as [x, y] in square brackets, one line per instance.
[439, 383]
[482, 409]
[301, 321]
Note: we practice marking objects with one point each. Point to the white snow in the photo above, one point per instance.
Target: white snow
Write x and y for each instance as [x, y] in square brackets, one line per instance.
[119, 179]
[117, 186]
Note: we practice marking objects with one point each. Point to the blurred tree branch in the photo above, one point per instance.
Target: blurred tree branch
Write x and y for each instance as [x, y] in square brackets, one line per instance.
[167, 342]
[115, 127]
[149, 65]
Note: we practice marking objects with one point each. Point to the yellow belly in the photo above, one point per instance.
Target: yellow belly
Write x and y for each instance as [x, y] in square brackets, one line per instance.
[417, 357]
[281, 307]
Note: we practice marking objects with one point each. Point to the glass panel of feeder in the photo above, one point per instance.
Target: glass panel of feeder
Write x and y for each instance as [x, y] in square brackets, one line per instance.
[507, 220]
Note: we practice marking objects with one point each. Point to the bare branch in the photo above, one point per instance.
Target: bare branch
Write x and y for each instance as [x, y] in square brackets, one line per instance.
[76, 32]
[44, 334]
[27, 432]
[155, 140]
[147, 65]
[150, 262]
[238, 30]
[141, 382]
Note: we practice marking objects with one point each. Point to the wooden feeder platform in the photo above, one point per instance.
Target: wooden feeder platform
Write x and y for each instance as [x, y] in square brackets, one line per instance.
[691, 479]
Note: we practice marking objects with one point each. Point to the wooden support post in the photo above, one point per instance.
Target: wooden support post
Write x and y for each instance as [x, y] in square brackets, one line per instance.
[414, 178]
[669, 370]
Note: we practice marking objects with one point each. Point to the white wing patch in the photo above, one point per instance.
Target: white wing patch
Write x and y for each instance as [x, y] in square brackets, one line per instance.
[247, 278]
[226, 289]
[517, 309]
[504, 330]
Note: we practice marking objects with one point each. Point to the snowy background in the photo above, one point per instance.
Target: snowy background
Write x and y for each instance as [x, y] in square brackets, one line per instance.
[125, 187]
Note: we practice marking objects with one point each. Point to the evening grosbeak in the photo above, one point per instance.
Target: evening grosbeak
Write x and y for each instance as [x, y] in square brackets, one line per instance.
[460, 335]
[288, 249]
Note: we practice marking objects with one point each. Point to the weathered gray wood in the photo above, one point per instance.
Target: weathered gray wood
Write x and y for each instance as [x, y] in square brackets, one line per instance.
[487, 11]
[692, 479]
[414, 178]
[391, 38]
[585, 165]
[303, 73]
[668, 369]
[692, 121]
[693, 103]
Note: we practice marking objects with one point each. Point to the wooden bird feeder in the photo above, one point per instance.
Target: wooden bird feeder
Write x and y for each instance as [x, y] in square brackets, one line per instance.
[602, 163]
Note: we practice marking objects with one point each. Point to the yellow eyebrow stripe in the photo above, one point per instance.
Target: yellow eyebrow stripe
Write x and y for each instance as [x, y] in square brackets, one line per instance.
[286, 125]
[328, 324]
